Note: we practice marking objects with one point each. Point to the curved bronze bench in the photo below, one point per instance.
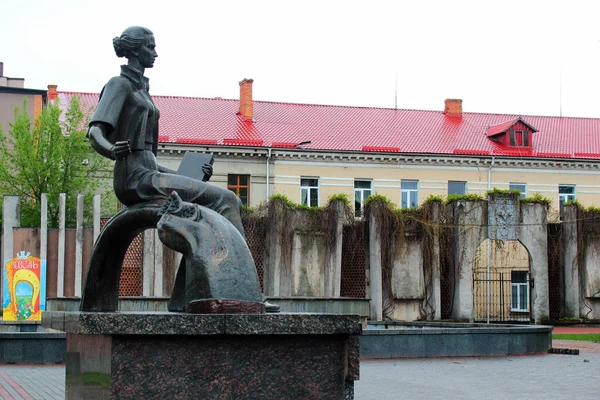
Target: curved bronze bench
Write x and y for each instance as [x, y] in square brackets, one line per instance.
[101, 289]
[217, 273]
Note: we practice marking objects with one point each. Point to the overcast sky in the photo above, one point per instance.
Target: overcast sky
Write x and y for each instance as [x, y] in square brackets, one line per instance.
[499, 57]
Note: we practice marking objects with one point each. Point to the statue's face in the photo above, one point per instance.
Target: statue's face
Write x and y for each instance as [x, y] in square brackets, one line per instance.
[147, 52]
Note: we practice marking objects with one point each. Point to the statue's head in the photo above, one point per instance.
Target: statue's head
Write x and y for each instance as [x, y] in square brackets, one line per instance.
[137, 42]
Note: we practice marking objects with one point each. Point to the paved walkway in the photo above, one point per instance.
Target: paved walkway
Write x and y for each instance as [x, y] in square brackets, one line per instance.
[576, 329]
[544, 376]
[28, 382]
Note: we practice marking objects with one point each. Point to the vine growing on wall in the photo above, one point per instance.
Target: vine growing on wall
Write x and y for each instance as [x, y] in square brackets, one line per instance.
[452, 233]
[588, 229]
[396, 227]
[383, 211]
[284, 218]
[435, 225]
[431, 210]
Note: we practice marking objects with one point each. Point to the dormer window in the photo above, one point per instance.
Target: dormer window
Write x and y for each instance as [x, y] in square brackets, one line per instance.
[515, 133]
[519, 138]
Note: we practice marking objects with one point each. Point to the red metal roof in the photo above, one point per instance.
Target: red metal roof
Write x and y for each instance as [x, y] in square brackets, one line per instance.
[215, 121]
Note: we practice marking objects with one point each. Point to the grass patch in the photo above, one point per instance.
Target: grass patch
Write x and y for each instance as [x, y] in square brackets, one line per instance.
[93, 379]
[584, 337]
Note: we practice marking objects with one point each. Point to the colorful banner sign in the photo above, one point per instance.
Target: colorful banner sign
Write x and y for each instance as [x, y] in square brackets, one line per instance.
[24, 291]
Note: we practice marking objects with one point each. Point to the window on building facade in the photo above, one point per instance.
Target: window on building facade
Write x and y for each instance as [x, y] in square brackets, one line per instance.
[565, 193]
[456, 187]
[410, 193]
[240, 185]
[519, 138]
[521, 187]
[309, 192]
[362, 190]
[519, 291]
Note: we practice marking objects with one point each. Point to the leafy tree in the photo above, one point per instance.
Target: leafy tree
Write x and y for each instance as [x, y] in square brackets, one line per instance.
[50, 155]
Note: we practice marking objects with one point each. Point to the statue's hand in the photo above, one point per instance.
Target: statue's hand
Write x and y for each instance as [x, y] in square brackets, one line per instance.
[120, 150]
[208, 171]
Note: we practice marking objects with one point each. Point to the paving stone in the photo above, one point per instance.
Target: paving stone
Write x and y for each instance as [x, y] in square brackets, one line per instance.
[549, 376]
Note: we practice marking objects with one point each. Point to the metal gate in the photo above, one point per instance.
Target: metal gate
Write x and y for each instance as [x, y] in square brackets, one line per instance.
[508, 299]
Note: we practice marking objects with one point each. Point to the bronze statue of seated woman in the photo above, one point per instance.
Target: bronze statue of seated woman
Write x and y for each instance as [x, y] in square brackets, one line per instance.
[124, 128]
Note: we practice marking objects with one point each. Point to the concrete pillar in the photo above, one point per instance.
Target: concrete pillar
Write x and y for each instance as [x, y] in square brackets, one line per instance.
[158, 266]
[44, 235]
[60, 276]
[470, 218]
[272, 277]
[375, 271]
[591, 272]
[533, 234]
[148, 259]
[96, 211]
[11, 212]
[435, 263]
[333, 270]
[570, 262]
[79, 246]
[283, 263]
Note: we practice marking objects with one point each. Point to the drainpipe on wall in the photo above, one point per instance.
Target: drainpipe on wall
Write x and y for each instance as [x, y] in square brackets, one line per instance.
[268, 160]
[489, 244]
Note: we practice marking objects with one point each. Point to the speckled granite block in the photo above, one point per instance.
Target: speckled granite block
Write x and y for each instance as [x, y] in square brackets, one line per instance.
[186, 356]
[291, 324]
[353, 358]
[231, 367]
[135, 323]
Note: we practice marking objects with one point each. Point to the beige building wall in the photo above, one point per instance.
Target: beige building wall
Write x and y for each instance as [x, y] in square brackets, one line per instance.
[8, 102]
[338, 171]
[433, 180]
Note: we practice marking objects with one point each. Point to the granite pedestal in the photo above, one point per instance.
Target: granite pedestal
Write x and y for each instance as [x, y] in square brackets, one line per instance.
[192, 356]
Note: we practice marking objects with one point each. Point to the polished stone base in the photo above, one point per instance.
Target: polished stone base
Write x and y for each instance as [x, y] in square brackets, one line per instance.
[397, 339]
[32, 347]
[218, 306]
[193, 356]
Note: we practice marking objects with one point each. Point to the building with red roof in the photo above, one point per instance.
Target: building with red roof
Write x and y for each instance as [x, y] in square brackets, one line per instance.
[309, 152]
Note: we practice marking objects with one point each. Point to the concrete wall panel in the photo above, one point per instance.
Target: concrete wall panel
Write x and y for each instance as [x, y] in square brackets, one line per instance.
[407, 271]
[308, 264]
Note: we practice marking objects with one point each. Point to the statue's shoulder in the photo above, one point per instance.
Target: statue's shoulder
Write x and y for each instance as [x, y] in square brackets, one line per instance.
[116, 84]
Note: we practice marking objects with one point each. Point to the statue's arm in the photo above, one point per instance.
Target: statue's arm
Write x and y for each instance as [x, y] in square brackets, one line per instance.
[106, 117]
[162, 168]
[97, 135]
